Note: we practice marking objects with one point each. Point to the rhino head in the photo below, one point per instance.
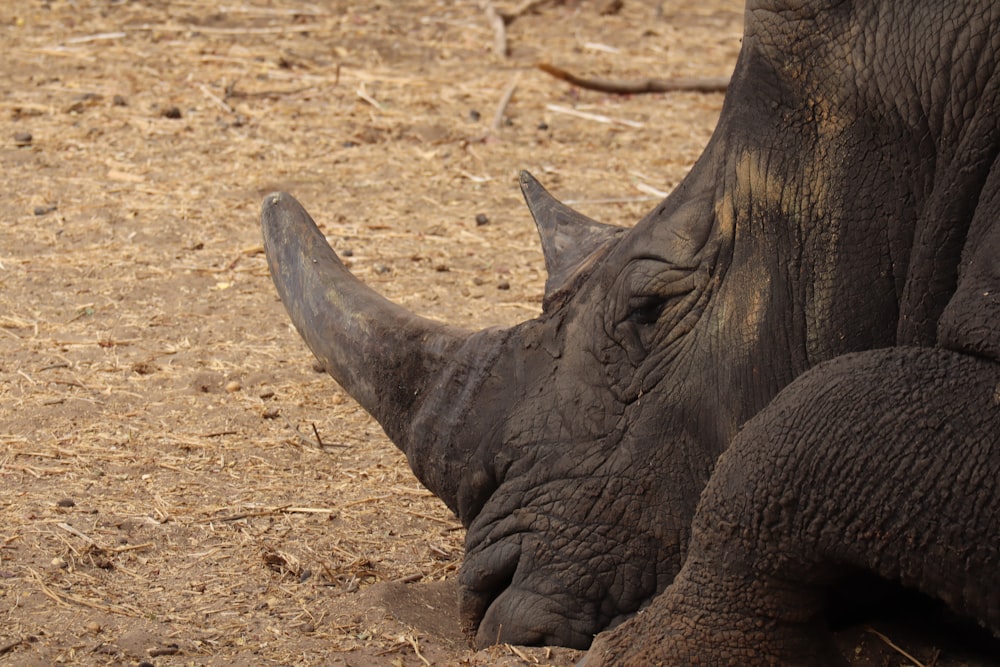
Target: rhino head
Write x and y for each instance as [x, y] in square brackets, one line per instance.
[574, 446]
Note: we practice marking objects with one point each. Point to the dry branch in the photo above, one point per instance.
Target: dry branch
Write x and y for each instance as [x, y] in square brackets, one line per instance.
[596, 117]
[888, 642]
[508, 93]
[499, 29]
[681, 84]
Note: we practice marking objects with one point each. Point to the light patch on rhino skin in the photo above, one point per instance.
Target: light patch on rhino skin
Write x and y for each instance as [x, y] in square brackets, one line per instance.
[753, 181]
[996, 395]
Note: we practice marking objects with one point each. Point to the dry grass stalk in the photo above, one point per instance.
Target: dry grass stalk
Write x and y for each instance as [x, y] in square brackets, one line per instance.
[679, 84]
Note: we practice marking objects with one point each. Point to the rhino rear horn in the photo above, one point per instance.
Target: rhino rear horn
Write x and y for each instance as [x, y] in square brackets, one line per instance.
[380, 353]
[568, 237]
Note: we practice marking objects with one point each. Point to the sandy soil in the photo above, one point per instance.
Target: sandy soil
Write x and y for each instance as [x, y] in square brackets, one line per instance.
[178, 485]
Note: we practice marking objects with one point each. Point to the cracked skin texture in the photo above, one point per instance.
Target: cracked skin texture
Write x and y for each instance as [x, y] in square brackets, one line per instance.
[887, 461]
[820, 293]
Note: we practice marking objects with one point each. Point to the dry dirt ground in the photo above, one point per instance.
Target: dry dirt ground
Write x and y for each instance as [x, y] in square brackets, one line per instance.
[178, 485]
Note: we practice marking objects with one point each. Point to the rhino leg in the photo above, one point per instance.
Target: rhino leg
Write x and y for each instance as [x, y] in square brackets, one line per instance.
[887, 461]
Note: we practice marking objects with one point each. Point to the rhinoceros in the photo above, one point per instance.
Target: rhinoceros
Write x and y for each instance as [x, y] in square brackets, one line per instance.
[784, 374]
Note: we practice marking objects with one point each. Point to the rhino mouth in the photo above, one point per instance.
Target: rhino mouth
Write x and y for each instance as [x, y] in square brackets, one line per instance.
[504, 598]
[480, 587]
[539, 573]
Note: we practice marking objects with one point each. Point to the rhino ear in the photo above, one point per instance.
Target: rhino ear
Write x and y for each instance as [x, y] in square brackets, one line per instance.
[568, 237]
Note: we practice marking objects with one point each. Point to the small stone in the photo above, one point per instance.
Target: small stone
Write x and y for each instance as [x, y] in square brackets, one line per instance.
[266, 394]
[233, 386]
[543, 126]
[482, 219]
[66, 502]
[45, 210]
[93, 627]
[172, 112]
[308, 628]
[22, 138]
[382, 269]
[503, 284]
[119, 101]
[474, 116]
[59, 562]
[318, 366]
[271, 413]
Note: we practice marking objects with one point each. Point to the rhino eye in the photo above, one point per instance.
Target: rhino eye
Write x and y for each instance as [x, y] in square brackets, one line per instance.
[646, 310]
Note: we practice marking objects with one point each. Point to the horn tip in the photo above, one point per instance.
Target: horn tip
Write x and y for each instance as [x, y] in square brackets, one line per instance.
[276, 199]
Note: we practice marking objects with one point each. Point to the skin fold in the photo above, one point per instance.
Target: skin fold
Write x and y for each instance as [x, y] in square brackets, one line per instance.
[845, 205]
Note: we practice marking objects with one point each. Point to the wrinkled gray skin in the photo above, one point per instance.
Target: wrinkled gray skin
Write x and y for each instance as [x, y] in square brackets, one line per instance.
[837, 208]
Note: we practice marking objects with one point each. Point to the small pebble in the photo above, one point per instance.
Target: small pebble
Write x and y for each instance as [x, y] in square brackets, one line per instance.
[308, 628]
[66, 502]
[233, 386]
[271, 413]
[318, 366]
[543, 126]
[481, 219]
[22, 138]
[93, 627]
[503, 284]
[264, 395]
[172, 113]
[474, 116]
[45, 210]
[119, 101]
[59, 561]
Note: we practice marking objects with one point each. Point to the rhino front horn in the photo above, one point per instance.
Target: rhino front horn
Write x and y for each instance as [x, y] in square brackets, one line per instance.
[380, 353]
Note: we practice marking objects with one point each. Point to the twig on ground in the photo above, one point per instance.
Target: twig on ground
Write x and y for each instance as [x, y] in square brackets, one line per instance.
[499, 28]
[211, 30]
[7, 648]
[305, 441]
[888, 642]
[363, 94]
[508, 93]
[680, 84]
[416, 649]
[319, 440]
[599, 118]
[215, 98]
[64, 599]
[70, 529]
[101, 36]
[267, 511]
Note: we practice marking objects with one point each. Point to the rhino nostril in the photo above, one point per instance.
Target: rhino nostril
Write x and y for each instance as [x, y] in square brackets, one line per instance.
[474, 491]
